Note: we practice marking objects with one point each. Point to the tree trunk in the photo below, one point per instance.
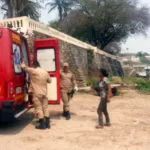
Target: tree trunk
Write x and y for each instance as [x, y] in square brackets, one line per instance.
[9, 13]
[60, 13]
[12, 8]
[103, 44]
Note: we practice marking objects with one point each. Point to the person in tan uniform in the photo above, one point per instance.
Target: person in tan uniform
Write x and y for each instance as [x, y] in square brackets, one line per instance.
[68, 84]
[39, 79]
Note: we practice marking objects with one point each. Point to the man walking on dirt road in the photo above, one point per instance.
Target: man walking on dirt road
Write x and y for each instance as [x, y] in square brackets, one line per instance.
[68, 86]
[39, 79]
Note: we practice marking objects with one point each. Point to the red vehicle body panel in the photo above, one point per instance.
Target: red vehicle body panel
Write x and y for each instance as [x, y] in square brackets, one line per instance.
[12, 84]
[50, 43]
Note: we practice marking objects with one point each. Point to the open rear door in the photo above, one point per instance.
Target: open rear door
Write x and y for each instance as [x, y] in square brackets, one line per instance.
[47, 53]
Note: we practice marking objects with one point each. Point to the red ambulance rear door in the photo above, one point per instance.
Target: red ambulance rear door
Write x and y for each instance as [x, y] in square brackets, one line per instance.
[47, 53]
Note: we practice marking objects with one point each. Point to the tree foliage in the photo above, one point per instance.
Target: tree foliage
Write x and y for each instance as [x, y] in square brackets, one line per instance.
[142, 57]
[17, 8]
[103, 22]
[32, 10]
[63, 6]
[141, 54]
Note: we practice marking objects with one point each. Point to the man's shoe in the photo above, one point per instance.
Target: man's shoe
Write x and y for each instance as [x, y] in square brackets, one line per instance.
[41, 124]
[64, 114]
[47, 122]
[68, 116]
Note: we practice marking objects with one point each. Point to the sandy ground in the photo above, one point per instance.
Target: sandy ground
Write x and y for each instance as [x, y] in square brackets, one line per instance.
[130, 130]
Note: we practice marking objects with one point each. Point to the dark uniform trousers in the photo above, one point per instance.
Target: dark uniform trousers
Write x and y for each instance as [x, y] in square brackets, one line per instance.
[102, 109]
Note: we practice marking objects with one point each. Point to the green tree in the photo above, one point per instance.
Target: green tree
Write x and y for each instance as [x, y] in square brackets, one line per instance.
[141, 54]
[63, 6]
[106, 21]
[16, 8]
[31, 10]
[142, 57]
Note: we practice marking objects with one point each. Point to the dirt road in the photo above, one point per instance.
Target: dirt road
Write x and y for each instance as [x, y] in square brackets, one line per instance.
[130, 130]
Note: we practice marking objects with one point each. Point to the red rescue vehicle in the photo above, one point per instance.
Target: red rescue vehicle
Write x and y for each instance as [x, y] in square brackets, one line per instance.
[13, 80]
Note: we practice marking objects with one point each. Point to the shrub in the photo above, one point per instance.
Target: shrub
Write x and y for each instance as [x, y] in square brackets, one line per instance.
[91, 82]
[143, 85]
[116, 79]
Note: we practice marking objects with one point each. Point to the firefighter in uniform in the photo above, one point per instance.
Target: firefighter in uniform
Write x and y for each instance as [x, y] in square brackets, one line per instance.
[39, 79]
[68, 86]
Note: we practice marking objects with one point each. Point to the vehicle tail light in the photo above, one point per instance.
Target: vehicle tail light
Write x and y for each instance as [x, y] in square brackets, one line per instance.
[11, 90]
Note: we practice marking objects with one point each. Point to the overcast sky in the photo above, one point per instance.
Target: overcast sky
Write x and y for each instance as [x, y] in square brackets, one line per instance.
[133, 44]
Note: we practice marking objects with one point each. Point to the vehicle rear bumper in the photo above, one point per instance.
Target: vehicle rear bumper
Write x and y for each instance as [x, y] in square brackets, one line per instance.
[8, 111]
